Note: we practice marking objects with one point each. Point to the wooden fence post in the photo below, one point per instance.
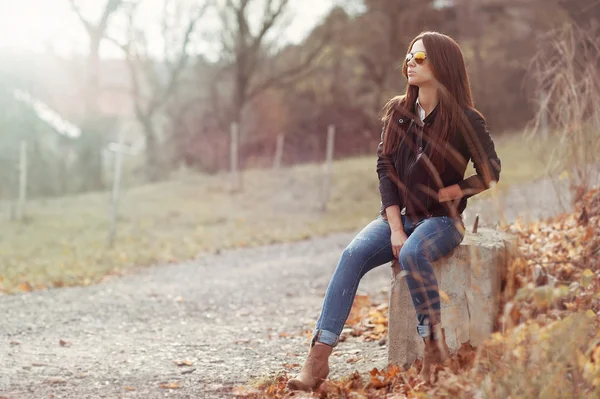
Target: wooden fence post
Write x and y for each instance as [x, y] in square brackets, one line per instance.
[328, 168]
[278, 151]
[234, 157]
[119, 150]
[22, 181]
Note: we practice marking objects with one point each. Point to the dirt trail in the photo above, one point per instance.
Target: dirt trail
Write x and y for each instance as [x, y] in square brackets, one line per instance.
[228, 314]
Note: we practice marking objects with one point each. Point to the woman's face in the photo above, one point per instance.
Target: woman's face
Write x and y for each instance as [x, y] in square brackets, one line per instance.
[419, 74]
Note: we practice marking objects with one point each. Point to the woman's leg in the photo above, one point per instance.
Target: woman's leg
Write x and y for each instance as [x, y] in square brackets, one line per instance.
[430, 240]
[369, 249]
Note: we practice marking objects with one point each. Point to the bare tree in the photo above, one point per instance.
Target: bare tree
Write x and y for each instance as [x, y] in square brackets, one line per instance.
[253, 61]
[91, 141]
[96, 32]
[248, 52]
[154, 82]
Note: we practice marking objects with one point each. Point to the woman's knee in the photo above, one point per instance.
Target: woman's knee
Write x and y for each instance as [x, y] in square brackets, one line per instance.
[353, 253]
[357, 256]
[409, 256]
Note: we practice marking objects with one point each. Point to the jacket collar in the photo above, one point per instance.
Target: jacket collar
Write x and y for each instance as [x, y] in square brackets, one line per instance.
[412, 116]
[429, 118]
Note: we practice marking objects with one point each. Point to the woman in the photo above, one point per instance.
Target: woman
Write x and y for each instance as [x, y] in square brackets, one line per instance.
[429, 135]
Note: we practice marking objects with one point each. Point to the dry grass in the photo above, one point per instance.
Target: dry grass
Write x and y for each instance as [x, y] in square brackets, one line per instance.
[565, 68]
[63, 241]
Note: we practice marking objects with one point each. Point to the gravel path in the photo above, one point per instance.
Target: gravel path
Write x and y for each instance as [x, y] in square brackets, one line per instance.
[235, 316]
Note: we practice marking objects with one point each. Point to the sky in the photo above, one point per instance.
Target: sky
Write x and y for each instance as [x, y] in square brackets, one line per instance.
[39, 25]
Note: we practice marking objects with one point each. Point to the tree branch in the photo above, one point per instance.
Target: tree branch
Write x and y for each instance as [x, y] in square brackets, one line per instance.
[268, 22]
[289, 74]
[133, 71]
[159, 100]
[111, 7]
[87, 25]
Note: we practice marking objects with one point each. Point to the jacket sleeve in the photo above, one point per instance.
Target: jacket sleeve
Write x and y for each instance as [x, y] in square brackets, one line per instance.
[386, 172]
[483, 154]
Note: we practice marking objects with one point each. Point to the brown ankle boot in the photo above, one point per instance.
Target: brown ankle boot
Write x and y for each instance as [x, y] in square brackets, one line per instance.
[315, 369]
[436, 350]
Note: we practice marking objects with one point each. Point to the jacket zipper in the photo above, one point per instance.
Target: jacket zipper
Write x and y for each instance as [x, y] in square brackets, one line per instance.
[409, 168]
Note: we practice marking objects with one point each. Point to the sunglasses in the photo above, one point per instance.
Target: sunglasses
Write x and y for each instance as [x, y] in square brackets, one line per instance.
[419, 57]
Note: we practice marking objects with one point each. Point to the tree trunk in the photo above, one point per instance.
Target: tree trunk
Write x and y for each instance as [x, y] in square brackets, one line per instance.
[90, 149]
[154, 170]
[238, 109]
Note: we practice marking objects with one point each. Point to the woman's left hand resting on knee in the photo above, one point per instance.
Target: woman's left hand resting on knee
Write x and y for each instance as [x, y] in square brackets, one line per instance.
[398, 236]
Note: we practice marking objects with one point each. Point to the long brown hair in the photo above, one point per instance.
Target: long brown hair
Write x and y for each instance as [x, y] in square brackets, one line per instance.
[448, 67]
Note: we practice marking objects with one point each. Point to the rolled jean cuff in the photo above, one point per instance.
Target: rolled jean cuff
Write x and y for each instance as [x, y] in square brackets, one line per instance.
[325, 337]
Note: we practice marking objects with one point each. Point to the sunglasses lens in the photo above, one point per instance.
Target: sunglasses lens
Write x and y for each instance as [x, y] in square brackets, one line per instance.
[419, 57]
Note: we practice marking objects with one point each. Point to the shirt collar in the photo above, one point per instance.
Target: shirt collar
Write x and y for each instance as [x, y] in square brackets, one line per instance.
[420, 110]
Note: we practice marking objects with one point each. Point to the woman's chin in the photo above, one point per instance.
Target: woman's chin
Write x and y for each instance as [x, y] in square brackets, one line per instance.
[413, 81]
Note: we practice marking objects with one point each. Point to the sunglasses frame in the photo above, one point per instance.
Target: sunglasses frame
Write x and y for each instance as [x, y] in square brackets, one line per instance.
[410, 56]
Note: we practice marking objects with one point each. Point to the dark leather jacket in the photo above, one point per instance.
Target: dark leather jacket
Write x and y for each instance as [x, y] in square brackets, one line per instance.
[408, 179]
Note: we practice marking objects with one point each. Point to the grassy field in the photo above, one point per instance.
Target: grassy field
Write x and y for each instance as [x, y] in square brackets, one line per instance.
[63, 241]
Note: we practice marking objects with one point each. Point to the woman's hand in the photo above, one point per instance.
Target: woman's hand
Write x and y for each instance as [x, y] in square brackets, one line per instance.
[450, 193]
[397, 238]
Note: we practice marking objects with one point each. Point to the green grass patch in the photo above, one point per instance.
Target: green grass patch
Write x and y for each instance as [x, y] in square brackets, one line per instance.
[64, 241]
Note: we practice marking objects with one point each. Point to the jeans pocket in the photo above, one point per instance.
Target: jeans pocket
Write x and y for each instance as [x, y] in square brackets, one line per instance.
[459, 233]
[456, 231]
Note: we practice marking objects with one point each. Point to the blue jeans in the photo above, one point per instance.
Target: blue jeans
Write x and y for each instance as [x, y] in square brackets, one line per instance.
[428, 240]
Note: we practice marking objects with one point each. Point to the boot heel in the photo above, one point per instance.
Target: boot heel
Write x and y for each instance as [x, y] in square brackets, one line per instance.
[316, 387]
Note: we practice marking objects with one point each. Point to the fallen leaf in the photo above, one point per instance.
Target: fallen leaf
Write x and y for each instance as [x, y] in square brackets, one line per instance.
[243, 392]
[360, 308]
[182, 363]
[127, 388]
[25, 287]
[445, 298]
[170, 385]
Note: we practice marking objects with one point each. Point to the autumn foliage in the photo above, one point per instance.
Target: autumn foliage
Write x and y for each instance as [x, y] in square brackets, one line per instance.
[548, 345]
